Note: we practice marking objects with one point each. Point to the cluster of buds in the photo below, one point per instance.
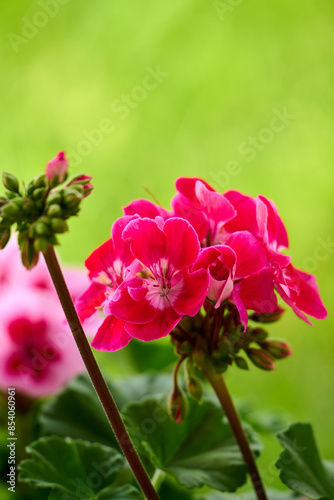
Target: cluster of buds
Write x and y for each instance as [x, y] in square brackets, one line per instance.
[220, 337]
[41, 208]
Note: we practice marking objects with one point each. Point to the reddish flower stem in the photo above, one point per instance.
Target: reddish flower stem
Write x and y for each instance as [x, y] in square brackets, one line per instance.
[218, 383]
[96, 376]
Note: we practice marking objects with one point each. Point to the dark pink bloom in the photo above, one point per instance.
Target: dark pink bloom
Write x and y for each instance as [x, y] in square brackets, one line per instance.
[57, 167]
[207, 210]
[155, 296]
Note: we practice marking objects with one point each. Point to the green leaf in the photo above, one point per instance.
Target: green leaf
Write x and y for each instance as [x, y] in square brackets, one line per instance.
[77, 411]
[249, 495]
[302, 469]
[76, 469]
[201, 451]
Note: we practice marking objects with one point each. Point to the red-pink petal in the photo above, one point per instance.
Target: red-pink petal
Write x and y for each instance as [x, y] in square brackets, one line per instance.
[101, 258]
[251, 256]
[87, 303]
[162, 324]
[270, 224]
[182, 245]
[215, 205]
[145, 208]
[111, 336]
[301, 293]
[130, 310]
[293, 306]
[148, 242]
[257, 292]
[193, 292]
[245, 206]
[183, 208]
[241, 307]
[187, 187]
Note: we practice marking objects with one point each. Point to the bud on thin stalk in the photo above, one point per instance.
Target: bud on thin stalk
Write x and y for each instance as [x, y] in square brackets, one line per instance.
[261, 359]
[277, 348]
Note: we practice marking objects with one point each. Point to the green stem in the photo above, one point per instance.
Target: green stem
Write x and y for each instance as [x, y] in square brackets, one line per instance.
[96, 376]
[158, 478]
[218, 383]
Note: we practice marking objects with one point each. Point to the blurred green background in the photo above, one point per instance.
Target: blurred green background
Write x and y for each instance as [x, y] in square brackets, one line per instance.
[139, 93]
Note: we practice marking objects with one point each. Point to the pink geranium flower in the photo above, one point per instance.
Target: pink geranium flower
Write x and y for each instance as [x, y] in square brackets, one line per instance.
[160, 266]
[160, 288]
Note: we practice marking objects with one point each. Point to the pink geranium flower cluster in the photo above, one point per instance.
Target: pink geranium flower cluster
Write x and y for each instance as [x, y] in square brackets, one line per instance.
[209, 249]
[38, 355]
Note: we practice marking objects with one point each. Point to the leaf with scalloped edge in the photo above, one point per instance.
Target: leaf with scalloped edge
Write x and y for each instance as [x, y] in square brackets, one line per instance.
[302, 469]
[77, 469]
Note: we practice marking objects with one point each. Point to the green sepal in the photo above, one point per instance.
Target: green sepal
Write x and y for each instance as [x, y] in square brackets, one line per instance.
[4, 236]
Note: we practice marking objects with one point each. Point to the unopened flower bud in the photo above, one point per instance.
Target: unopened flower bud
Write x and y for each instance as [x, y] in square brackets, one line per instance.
[54, 210]
[194, 387]
[220, 366]
[40, 181]
[54, 197]
[267, 317]
[261, 359]
[11, 210]
[38, 193]
[41, 228]
[28, 253]
[4, 236]
[241, 362]
[277, 348]
[59, 225]
[72, 198]
[84, 181]
[10, 182]
[41, 244]
[259, 334]
[56, 169]
[177, 405]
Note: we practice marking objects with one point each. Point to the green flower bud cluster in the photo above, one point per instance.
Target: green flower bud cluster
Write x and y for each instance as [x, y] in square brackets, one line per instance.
[40, 211]
[194, 340]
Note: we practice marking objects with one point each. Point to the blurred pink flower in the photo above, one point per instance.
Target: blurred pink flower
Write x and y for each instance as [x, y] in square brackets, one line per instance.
[38, 354]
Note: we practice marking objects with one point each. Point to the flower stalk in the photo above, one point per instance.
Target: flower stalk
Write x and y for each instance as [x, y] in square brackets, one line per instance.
[218, 383]
[96, 376]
